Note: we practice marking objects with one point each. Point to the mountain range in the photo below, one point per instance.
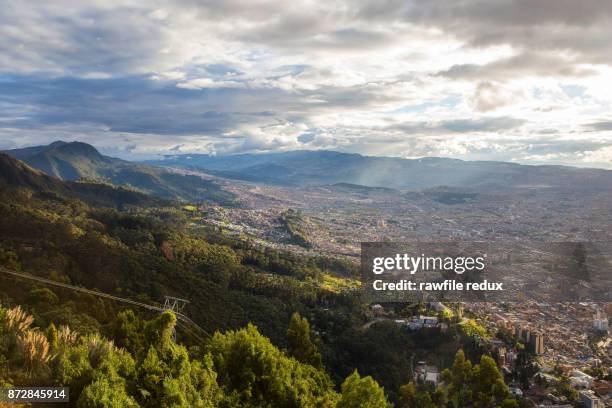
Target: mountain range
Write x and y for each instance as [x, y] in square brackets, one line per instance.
[80, 161]
[17, 178]
[73, 161]
[303, 168]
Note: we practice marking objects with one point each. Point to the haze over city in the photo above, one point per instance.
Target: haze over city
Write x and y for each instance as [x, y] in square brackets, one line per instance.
[473, 80]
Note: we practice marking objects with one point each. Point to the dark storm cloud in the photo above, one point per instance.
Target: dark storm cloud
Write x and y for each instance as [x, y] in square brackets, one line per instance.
[575, 26]
[138, 104]
[482, 125]
[133, 104]
[578, 27]
[488, 124]
[605, 126]
[521, 65]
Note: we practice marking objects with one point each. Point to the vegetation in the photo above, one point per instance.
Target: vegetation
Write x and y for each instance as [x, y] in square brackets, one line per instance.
[236, 369]
[288, 328]
[464, 385]
[300, 345]
[81, 161]
[293, 222]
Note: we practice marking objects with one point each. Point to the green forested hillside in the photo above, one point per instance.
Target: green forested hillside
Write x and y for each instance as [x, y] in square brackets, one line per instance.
[262, 355]
[81, 161]
[20, 182]
[144, 366]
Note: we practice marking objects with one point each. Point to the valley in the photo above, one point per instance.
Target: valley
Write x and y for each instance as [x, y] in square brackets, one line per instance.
[340, 217]
[276, 249]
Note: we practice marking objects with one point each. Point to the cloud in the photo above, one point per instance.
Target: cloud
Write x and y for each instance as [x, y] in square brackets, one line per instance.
[604, 126]
[201, 83]
[485, 124]
[577, 28]
[489, 96]
[524, 64]
[471, 78]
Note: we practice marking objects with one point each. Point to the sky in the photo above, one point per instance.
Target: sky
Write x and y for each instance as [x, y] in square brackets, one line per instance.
[528, 81]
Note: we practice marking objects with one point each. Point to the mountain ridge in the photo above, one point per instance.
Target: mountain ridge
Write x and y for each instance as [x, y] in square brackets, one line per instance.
[308, 167]
[16, 177]
[71, 161]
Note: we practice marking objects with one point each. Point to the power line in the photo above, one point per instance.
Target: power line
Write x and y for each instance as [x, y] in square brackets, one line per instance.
[179, 316]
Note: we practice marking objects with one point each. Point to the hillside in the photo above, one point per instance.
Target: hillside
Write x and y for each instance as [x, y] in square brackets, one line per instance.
[327, 167]
[76, 160]
[17, 180]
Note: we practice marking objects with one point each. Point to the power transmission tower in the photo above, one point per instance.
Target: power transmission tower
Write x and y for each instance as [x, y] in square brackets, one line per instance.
[176, 305]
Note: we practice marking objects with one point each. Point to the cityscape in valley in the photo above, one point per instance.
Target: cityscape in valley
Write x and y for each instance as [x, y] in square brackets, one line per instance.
[549, 352]
[336, 218]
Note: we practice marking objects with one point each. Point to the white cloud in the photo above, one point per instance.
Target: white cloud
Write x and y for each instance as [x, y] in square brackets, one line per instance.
[378, 77]
[201, 83]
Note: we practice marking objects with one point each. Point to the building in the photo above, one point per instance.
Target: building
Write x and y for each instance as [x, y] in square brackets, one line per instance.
[600, 322]
[536, 341]
[426, 373]
[556, 406]
[419, 322]
[578, 379]
[518, 332]
[378, 310]
[501, 356]
[588, 399]
[438, 307]
[432, 378]
[510, 357]
[531, 338]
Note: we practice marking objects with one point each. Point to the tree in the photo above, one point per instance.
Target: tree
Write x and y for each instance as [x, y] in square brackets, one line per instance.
[440, 397]
[408, 394]
[564, 388]
[358, 392]
[479, 386]
[128, 331]
[9, 259]
[52, 336]
[445, 315]
[459, 376]
[509, 403]
[300, 345]
[488, 385]
[525, 367]
[166, 376]
[104, 393]
[42, 295]
[252, 372]
[423, 400]
[458, 380]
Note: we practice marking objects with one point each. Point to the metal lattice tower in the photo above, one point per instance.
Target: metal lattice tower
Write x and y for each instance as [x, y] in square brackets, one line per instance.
[176, 305]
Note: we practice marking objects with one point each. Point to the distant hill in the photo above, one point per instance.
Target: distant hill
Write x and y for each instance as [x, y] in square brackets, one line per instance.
[75, 160]
[17, 178]
[328, 167]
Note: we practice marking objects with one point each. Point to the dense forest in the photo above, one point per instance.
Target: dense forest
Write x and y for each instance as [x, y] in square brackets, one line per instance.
[281, 336]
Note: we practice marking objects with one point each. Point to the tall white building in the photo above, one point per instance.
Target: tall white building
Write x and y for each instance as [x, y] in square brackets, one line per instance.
[600, 322]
